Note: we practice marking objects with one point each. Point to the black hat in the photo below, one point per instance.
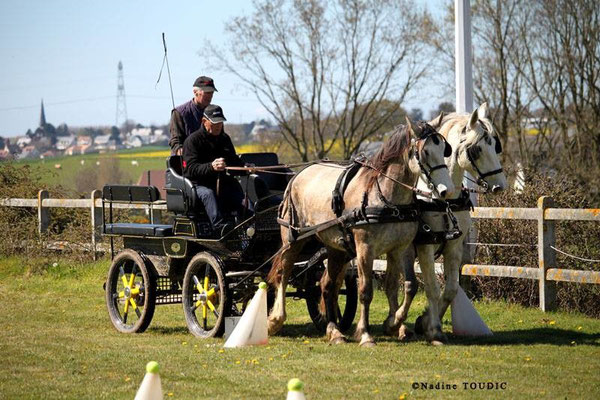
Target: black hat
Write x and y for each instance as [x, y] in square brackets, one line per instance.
[205, 84]
[214, 114]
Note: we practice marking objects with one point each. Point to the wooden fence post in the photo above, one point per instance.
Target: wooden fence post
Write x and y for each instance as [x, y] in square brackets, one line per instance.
[43, 213]
[96, 213]
[546, 255]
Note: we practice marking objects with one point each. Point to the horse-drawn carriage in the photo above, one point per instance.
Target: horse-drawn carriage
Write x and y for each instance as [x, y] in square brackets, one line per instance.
[213, 275]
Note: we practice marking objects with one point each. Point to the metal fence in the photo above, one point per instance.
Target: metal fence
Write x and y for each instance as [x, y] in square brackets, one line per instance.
[546, 272]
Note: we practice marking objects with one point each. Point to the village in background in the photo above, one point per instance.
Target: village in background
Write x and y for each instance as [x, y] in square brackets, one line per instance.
[48, 141]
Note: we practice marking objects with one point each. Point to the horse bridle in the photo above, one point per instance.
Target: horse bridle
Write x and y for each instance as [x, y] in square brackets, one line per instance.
[472, 157]
[427, 133]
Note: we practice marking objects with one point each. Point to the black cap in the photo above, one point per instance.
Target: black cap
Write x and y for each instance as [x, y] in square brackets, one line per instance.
[214, 114]
[205, 84]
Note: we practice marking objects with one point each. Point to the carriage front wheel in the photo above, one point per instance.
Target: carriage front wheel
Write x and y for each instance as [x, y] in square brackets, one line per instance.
[347, 299]
[130, 292]
[205, 297]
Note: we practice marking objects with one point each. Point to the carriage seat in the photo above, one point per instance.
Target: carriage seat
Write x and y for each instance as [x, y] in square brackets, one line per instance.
[275, 182]
[155, 230]
[181, 196]
[264, 188]
[131, 194]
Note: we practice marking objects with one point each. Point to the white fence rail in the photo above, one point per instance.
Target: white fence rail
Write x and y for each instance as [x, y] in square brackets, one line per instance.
[546, 272]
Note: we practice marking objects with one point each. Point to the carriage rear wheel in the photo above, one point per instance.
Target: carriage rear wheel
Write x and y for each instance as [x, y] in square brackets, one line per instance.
[347, 299]
[205, 297]
[130, 292]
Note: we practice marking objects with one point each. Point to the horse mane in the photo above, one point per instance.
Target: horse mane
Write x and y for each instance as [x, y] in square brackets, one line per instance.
[395, 148]
[460, 121]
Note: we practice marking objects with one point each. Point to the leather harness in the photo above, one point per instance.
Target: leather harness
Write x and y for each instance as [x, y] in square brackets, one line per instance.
[362, 215]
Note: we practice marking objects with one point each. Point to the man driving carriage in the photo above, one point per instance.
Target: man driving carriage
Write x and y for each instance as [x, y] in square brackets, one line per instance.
[206, 154]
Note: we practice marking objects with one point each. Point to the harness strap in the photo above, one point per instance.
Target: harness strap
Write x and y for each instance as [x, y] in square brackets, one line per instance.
[337, 195]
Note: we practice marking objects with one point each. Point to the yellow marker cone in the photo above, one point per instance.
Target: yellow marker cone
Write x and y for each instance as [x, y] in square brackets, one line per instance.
[295, 390]
[150, 389]
[465, 319]
[252, 327]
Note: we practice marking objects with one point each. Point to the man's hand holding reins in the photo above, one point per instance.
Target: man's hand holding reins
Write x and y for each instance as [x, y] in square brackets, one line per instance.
[219, 164]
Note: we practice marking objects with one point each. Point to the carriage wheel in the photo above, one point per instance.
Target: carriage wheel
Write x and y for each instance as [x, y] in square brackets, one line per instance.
[130, 292]
[347, 300]
[205, 297]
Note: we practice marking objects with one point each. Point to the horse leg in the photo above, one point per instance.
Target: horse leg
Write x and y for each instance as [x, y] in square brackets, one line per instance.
[330, 285]
[392, 280]
[431, 321]
[278, 277]
[452, 262]
[410, 290]
[365, 295]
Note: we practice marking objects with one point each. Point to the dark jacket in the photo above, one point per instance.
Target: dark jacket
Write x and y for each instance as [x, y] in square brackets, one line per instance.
[200, 149]
[185, 119]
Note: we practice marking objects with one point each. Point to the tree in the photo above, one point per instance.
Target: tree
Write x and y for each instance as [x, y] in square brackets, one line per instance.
[445, 107]
[115, 134]
[322, 69]
[416, 114]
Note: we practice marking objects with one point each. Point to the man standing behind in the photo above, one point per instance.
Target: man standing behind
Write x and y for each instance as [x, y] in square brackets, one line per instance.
[206, 153]
[187, 117]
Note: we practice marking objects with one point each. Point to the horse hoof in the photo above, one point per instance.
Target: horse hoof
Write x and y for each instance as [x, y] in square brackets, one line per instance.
[274, 327]
[338, 340]
[367, 344]
[405, 334]
[391, 331]
[436, 343]
[419, 325]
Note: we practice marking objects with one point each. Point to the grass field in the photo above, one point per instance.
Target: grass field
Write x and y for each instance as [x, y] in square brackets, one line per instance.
[146, 158]
[56, 341]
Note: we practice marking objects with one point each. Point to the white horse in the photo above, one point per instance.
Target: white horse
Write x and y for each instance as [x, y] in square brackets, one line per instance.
[476, 149]
[410, 152]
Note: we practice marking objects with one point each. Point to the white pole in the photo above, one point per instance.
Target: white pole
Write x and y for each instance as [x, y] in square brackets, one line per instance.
[464, 71]
[464, 83]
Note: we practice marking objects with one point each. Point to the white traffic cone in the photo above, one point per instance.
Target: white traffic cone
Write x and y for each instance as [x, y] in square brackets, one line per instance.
[295, 390]
[465, 319]
[150, 389]
[252, 327]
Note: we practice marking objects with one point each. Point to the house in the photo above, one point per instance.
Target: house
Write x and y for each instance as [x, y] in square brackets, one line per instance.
[23, 141]
[103, 142]
[5, 154]
[76, 149]
[134, 141]
[84, 141]
[48, 154]
[29, 152]
[64, 142]
[160, 140]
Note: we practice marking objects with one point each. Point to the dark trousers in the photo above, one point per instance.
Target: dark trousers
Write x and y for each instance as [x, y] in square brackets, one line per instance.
[230, 199]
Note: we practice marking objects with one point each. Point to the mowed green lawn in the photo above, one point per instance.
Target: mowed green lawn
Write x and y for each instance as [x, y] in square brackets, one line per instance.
[56, 341]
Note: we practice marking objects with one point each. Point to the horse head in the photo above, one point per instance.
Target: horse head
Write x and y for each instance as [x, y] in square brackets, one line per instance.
[429, 148]
[478, 152]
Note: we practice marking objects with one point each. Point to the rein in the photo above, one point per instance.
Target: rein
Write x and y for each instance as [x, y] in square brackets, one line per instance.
[409, 187]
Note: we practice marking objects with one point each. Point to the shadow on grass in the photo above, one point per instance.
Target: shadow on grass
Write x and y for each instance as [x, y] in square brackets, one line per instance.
[168, 330]
[553, 336]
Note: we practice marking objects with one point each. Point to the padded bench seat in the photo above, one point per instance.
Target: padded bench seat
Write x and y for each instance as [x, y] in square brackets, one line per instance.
[156, 230]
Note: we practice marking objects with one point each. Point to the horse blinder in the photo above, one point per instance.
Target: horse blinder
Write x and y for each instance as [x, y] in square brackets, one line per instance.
[498, 145]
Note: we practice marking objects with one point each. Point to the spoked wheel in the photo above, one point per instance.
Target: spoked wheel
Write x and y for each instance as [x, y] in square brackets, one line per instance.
[130, 292]
[347, 300]
[205, 299]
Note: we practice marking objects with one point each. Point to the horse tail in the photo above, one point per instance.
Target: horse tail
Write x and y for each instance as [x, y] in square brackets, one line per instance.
[274, 275]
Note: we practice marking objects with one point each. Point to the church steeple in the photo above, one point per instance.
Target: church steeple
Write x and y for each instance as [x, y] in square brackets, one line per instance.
[42, 116]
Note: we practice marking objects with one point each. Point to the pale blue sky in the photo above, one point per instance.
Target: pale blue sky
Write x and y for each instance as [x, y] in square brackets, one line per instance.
[67, 52]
